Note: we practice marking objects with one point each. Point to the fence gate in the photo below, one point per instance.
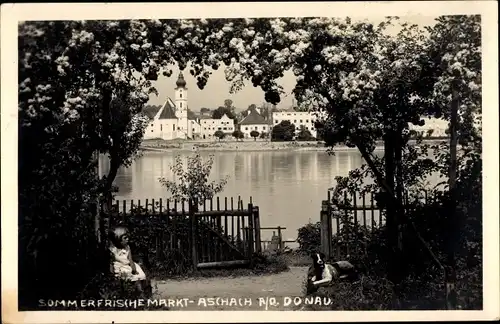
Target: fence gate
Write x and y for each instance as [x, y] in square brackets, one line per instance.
[209, 235]
[359, 210]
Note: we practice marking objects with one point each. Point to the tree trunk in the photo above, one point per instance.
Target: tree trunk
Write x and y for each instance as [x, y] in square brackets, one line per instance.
[452, 226]
[400, 190]
[391, 215]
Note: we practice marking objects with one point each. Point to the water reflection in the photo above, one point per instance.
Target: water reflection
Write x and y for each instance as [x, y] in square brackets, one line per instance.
[287, 186]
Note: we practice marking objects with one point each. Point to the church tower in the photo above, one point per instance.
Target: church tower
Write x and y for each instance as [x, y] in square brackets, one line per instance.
[181, 106]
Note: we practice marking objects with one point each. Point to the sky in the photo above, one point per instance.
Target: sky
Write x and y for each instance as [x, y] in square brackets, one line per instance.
[217, 88]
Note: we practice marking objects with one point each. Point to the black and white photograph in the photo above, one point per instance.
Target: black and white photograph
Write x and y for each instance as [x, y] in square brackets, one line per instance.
[175, 161]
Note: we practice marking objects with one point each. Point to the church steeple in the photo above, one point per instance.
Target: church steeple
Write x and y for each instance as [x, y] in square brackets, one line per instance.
[181, 83]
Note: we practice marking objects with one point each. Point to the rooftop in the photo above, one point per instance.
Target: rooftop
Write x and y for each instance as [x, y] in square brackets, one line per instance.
[168, 110]
[254, 118]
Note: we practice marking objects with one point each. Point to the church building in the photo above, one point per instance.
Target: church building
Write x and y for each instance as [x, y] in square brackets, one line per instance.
[172, 121]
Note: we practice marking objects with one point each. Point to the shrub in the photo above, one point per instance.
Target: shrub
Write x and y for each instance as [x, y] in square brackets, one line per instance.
[309, 238]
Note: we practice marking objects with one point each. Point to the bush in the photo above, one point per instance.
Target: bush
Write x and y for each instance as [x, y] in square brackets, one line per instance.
[309, 238]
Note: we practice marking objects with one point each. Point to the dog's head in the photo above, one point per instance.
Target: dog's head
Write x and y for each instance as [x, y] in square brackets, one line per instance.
[318, 260]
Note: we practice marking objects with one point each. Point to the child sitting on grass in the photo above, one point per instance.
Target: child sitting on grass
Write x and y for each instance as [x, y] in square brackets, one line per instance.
[122, 265]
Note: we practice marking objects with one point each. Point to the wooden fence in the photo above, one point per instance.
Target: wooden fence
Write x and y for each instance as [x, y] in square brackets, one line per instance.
[214, 233]
[359, 210]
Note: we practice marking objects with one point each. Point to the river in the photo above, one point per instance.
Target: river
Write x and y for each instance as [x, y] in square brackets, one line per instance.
[288, 186]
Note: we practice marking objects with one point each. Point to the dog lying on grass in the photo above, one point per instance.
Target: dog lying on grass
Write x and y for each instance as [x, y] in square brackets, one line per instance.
[322, 274]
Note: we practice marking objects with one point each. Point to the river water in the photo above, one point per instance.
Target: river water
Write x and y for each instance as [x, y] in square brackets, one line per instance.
[288, 186]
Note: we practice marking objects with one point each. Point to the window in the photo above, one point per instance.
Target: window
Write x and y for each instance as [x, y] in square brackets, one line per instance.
[246, 128]
[152, 125]
[275, 121]
[180, 104]
[173, 128]
[178, 128]
[300, 121]
[264, 128]
[224, 128]
[219, 128]
[307, 120]
[295, 121]
[193, 130]
[152, 131]
[180, 95]
[161, 128]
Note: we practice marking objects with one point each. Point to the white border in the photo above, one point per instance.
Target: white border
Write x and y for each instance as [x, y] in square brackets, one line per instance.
[12, 14]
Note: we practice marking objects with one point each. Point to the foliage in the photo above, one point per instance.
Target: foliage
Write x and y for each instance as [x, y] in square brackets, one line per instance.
[264, 135]
[192, 182]
[309, 238]
[220, 134]
[221, 111]
[204, 110]
[304, 134]
[237, 134]
[254, 134]
[284, 131]
[249, 110]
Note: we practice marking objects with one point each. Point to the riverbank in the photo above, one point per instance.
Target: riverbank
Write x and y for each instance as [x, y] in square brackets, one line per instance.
[244, 146]
[238, 146]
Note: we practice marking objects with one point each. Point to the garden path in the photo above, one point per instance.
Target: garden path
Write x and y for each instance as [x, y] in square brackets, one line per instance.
[280, 285]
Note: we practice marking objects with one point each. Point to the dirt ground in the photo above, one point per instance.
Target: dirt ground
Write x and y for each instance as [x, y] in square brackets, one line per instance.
[268, 292]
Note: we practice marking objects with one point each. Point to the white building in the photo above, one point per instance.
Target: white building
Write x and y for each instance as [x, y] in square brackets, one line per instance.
[208, 126]
[172, 121]
[254, 122]
[437, 125]
[297, 118]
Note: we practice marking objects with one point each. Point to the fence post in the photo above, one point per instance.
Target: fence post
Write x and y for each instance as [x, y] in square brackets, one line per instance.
[256, 224]
[251, 234]
[280, 242]
[192, 215]
[326, 229]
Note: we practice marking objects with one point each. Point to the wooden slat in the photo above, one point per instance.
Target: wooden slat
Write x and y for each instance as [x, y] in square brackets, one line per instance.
[222, 264]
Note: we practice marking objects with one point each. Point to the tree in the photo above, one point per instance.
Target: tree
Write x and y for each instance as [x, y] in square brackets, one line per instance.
[228, 104]
[455, 45]
[204, 110]
[90, 102]
[237, 134]
[284, 131]
[254, 134]
[220, 134]
[365, 84]
[82, 86]
[192, 182]
[264, 135]
[249, 110]
[221, 111]
[304, 134]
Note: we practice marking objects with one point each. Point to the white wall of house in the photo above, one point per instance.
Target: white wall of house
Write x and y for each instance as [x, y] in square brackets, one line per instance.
[208, 127]
[165, 129]
[297, 118]
[247, 129]
[195, 128]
